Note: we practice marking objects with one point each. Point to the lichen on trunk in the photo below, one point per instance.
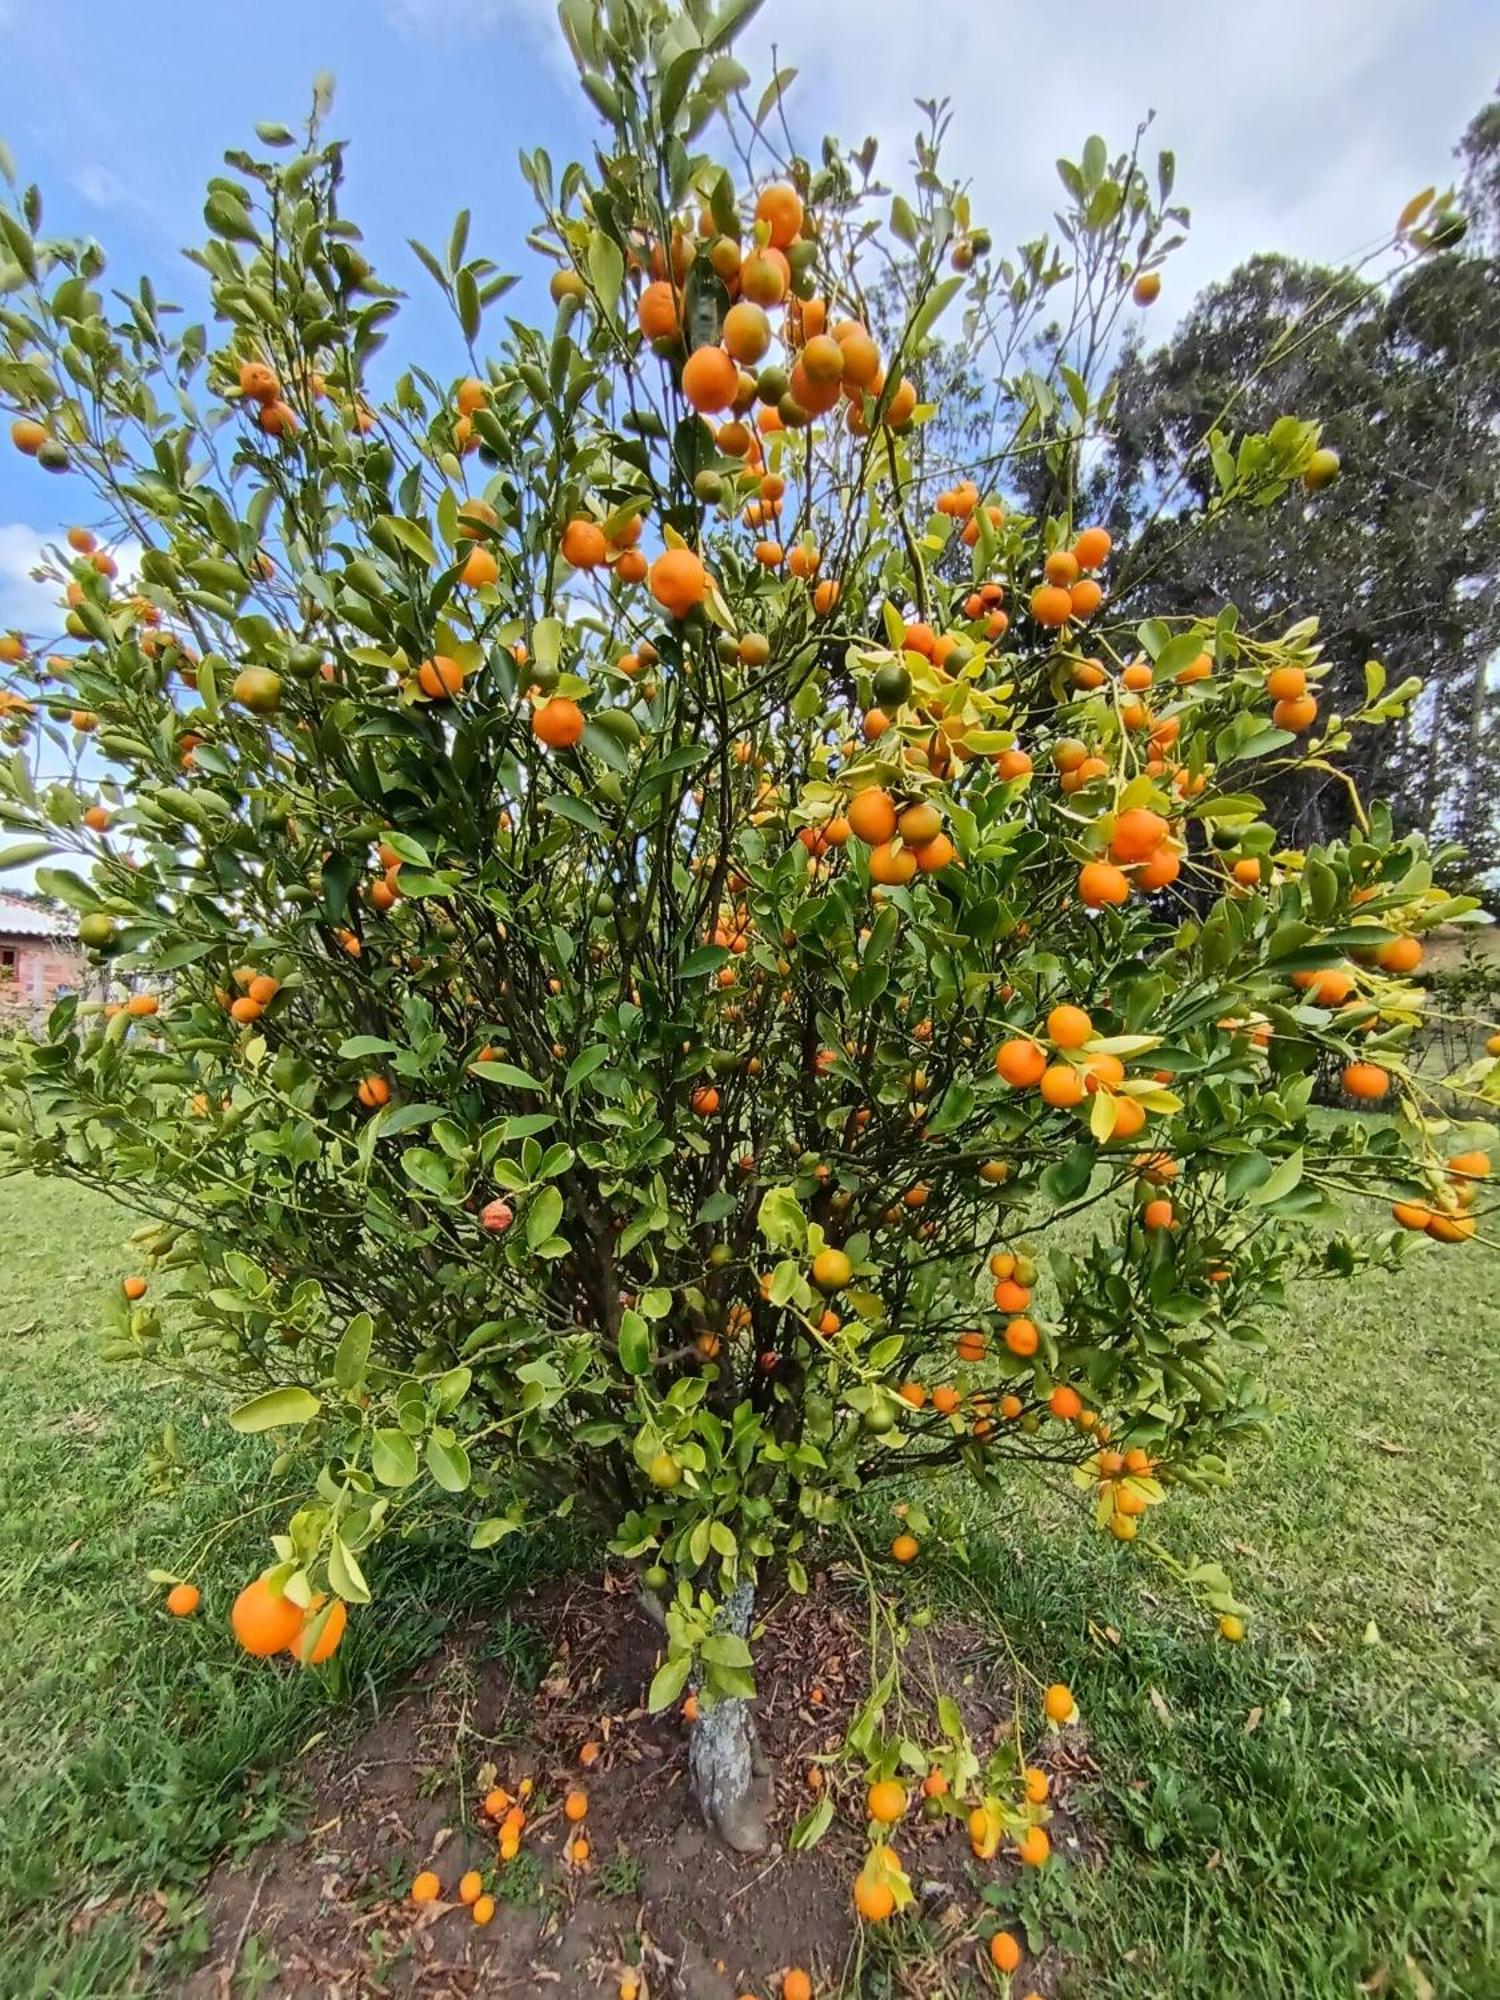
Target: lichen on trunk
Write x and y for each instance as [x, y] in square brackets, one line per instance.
[729, 1777]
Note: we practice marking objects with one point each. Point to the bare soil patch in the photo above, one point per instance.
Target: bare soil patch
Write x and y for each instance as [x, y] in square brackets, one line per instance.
[329, 1913]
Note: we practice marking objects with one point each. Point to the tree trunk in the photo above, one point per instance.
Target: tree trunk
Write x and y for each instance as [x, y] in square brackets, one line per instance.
[729, 1778]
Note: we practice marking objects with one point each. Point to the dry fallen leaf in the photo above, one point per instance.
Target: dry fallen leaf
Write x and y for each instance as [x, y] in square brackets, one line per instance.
[1159, 1703]
[1253, 1720]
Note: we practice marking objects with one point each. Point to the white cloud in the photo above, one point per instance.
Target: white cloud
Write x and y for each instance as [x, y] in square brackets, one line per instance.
[25, 605]
[452, 19]
[1299, 127]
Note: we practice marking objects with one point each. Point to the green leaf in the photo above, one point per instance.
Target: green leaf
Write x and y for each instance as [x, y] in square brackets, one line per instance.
[606, 268]
[635, 1343]
[393, 1458]
[448, 1462]
[543, 1217]
[365, 1045]
[345, 1574]
[495, 1529]
[22, 851]
[503, 1072]
[668, 1682]
[276, 1406]
[449, 1390]
[937, 299]
[352, 1355]
[903, 222]
[812, 1826]
[414, 539]
[707, 958]
[584, 1064]
[1279, 1182]
[579, 811]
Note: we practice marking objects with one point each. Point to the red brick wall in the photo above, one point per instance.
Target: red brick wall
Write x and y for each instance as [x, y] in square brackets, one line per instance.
[32, 970]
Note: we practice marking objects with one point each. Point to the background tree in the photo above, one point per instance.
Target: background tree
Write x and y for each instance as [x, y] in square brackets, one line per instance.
[630, 940]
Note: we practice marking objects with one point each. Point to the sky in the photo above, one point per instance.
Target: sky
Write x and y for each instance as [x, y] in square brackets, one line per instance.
[1298, 125]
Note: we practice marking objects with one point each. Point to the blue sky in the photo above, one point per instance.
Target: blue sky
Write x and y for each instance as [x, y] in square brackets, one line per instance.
[1298, 124]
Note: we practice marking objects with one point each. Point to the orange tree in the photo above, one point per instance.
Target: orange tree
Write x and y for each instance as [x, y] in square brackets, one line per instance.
[627, 912]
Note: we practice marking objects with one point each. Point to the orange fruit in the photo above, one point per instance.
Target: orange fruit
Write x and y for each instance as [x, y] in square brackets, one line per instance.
[886, 1801]
[558, 723]
[470, 1886]
[1402, 954]
[971, 1347]
[1065, 1402]
[657, 312]
[373, 1092]
[1330, 987]
[183, 1600]
[1051, 605]
[1137, 835]
[483, 1911]
[440, 678]
[312, 1652]
[779, 206]
[1147, 288]
[1005, 1951]
[1062, 1086]
[1069, 1027]
[1033, 1848]
[1286, 683]
[426, 1888]
[1366, 1080]
[1038, 1784]
[480, 568]
[678, 581]
[263, 1622]
[1020, 1063]
[796, 1985]
[1100, 882]
[583, 544]
[874, 1900]
[904, 1548]
[747, 332]
[1295, 715]
[575, 1806]
[1022, 1338]
[1058, 1700]
[1092, 548]
[133, 1287]
[765, 277]
[710, 380]
[872, 817]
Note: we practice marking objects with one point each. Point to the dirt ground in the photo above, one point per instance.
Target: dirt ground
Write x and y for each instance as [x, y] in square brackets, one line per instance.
[659, 1899]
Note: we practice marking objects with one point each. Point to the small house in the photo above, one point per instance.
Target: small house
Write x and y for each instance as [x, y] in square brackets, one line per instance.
[40, 956]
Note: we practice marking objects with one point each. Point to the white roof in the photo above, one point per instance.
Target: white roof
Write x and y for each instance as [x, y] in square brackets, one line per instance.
[18, 918]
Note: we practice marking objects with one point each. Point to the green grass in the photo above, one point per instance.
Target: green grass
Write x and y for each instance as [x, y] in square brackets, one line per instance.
[133, 1746]
[1293, 1817]
[1319, 1806]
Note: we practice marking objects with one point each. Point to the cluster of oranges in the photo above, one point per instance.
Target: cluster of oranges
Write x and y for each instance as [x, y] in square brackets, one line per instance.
[1068, 592]
[881, 1886]
[728, 377]
[1073, 1071]
[507, 1814]
[33, 439]
[256, 992]
[1447, 1216]
[267, 1622]
[260, 384]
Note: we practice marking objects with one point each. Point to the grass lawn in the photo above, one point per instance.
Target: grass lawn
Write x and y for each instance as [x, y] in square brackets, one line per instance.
[1311, 1814]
